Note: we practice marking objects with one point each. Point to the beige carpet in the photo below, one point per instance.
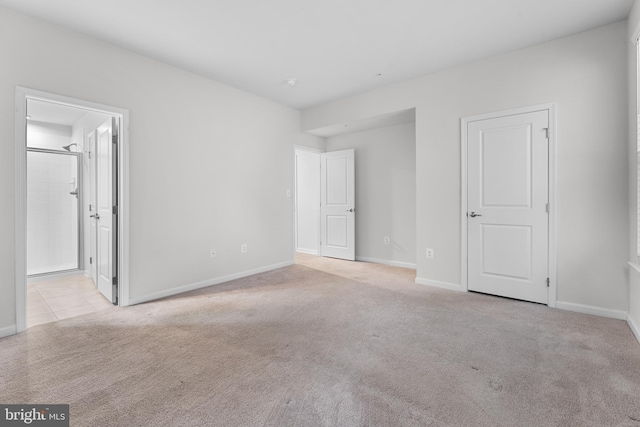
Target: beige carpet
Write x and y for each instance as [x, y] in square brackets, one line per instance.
[329, 343]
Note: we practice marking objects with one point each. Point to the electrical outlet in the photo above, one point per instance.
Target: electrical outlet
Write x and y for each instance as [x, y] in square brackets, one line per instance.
[244, 249]
[386, 240]
[213, 253]
[429, 253]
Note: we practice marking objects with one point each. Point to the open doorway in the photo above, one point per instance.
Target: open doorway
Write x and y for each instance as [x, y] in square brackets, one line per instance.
[71, 210]
[385, 190]
[325, 203]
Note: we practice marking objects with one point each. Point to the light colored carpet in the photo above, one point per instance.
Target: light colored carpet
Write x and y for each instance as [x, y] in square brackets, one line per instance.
[329, 343]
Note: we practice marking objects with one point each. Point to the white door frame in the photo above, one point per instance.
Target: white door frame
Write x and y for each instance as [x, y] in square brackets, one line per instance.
[464, 121]
[22, 94]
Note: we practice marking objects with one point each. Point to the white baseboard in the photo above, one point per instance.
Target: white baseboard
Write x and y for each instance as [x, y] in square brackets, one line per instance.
[438, 284]
[634, 328]
[8, 330]
[386, 262]
[596, 311]
[307, 251]
[205, 283]
[53, 276]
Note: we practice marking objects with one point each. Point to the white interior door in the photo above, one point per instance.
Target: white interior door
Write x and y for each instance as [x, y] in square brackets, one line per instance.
[106, 234]
[507, 199]
[337, 204]
[93, 230]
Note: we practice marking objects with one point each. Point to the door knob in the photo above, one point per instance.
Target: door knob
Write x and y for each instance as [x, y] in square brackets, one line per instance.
[351, 210]
[96, 216]
[473, 214]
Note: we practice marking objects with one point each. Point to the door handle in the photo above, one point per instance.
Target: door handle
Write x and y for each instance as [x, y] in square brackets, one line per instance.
[351, 210]
[473, 214]
[96, 216]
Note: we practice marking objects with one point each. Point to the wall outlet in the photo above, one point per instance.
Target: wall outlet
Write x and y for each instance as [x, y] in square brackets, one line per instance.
[244, 249]
[387, 240]
[429, 253]
[213, 253]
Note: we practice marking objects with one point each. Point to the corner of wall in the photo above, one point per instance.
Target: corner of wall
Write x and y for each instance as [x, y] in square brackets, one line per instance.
[8, 331]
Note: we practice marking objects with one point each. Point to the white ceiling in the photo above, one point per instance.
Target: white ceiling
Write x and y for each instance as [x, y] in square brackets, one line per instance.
[334, 48]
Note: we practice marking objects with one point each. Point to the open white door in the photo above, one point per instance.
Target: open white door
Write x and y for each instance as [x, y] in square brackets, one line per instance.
[93, 223]
[507, 202]
[337, 204]
[106, 218]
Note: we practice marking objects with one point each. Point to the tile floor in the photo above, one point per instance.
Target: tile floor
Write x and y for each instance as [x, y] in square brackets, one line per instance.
[61, 298]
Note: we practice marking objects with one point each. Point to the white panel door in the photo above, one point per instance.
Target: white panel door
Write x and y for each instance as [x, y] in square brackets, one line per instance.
[106, 220]
[508, 193]
[93, 223]
[337, 204]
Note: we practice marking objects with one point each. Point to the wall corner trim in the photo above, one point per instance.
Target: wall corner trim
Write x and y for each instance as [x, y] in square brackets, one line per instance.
[589, 309]
[8, 331]
[206, 283]
[438, 284]
[387, 262]
[634, 328]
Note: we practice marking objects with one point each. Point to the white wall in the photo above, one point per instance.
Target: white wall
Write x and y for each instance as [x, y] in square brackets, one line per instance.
[307, 196]
[586, 75]
[634, 275]
[52, 213]
[385, 192]
[209, 164]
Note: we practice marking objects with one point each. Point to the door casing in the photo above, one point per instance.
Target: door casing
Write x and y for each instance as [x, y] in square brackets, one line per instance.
[22, 94]
[550, 108]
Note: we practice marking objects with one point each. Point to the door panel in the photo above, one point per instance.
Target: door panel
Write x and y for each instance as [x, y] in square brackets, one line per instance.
[508, 192]
[105, 236]
[337, 200]
[93, 229]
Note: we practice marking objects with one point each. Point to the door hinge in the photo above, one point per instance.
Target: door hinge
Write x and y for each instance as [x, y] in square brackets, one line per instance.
[548, 208]
[90, 260]
[548, 282]
[547, 132]
[114, 281]
[114, 139]
[115, 210]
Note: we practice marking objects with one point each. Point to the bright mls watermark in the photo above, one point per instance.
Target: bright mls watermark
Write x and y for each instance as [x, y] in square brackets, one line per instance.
[34, 415]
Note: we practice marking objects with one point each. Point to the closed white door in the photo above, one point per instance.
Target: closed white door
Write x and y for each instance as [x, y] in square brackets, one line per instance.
[106, 219]
[507, 199]
[337, 204]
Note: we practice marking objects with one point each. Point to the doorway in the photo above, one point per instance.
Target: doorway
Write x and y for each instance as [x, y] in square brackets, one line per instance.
[58, 246]
[324, 205]
[508, 214]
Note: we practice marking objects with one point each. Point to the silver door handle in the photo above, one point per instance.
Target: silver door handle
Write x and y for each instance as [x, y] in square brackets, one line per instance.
[96, 216]
[351, 210]
[473, 214]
